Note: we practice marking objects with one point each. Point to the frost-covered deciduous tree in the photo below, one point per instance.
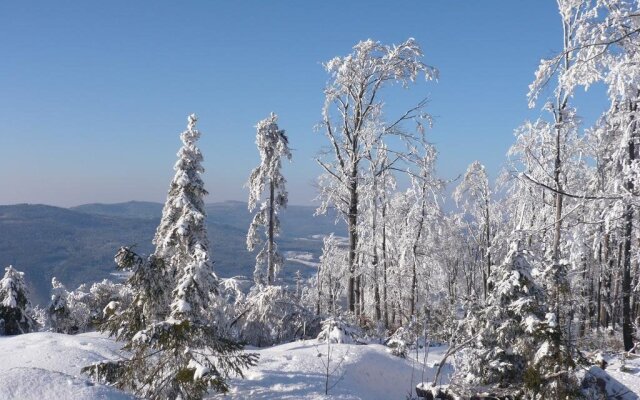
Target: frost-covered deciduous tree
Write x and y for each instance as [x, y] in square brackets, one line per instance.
[273, 146]
[474, 196]
[182, 354]
[421, 216]
[378, 182]
[272, 314]
[600, 45]
[352, 119]
[562, 131]
[15, 307]
[330, 282]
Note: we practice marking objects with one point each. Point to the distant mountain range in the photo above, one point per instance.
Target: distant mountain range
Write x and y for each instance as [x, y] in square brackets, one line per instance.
[77, 245]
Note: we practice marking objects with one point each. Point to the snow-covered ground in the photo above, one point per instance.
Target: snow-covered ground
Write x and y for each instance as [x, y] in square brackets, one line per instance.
[42, 366]
[296, 371]
[622, 383]
[47, 366]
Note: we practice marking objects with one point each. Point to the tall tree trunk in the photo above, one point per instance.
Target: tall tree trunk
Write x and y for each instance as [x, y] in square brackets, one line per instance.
[385, 266]
[599, 291]
[627, 328]
[270, 257]
[361, 294]
[374, 261]
[558, 206]
[376, 287]
[616, 287]
[319, 284]
[358, 305]
[352, 222]
[414, 250]
[488, 248]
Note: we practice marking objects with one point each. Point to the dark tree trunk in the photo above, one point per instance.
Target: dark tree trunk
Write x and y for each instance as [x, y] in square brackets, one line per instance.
[627, 328]
[385, 266]
[352, 220]
[488, 251]
[414, 249]
[270, 257]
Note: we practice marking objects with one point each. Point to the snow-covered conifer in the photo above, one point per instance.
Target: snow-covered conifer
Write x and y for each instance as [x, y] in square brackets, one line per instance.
[273, 145]
[181, 238]
[58, 310]
[14, 304]
[174, 329]
[514, 346]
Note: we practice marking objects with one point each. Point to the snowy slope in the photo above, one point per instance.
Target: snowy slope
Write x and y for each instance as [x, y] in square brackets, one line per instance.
[46, 365]
[42, 366]
[294, 371]
[621, 383]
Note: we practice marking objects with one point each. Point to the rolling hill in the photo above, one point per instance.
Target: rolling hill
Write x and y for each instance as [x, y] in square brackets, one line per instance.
[77, 245]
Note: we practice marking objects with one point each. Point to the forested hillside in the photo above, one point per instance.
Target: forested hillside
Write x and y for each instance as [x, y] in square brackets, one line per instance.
[78, 245]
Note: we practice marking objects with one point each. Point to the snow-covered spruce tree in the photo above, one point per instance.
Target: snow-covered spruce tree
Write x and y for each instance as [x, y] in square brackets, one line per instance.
[273, 145]
[181, 236]
[183, 354]
[57, 311]
[15, 317]
[515, 346]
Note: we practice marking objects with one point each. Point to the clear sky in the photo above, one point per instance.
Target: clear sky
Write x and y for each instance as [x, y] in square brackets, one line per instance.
[93, 95]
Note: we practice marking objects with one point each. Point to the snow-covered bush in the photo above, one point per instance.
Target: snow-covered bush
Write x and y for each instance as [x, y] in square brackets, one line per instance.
[400, 341]
[107, 295]
[15, 308]
[40, 315]
[82, 309]
[338, 330]
[232, 290]
[270, 315]
[67, 311]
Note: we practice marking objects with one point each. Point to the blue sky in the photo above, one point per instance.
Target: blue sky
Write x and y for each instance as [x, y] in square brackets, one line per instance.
[93, 95]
